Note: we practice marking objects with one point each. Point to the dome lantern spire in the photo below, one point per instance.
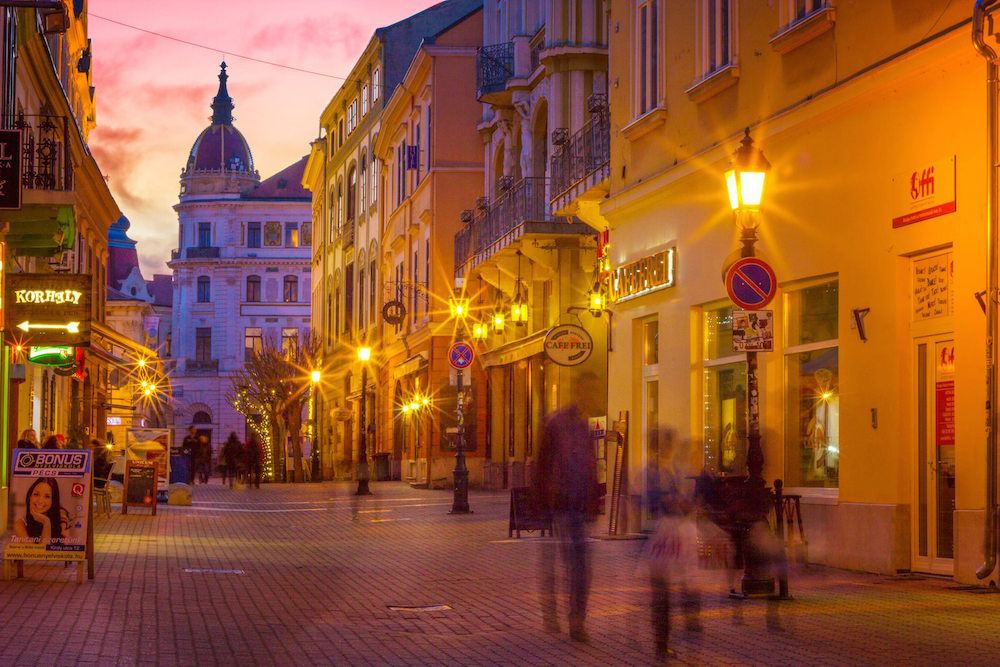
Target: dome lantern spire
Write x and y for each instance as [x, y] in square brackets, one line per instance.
[222, 104]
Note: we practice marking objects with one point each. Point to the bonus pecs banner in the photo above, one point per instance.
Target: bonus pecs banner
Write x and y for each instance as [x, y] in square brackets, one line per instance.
[51, 495]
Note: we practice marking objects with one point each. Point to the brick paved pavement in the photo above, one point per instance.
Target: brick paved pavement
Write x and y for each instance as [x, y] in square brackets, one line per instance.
[285, 576]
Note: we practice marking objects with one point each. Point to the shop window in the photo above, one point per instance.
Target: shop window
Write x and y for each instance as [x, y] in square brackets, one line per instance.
[812, 387]
[647, 70]
[724, 389]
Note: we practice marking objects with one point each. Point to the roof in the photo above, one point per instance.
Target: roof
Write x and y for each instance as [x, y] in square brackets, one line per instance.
[161, 288]
[220, 146]
[286, 184]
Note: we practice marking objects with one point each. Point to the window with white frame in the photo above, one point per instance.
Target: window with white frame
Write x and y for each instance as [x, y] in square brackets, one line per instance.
[717, 35]
[376, 84]
[352, 115]
[374, 181]
[724, 394]
[647, 57]
[812, 386]
[364, 99]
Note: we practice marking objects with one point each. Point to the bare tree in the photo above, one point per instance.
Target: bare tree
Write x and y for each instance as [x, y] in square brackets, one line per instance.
[273, 385]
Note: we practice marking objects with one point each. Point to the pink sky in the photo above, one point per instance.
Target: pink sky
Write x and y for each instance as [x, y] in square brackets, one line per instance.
[153, 94]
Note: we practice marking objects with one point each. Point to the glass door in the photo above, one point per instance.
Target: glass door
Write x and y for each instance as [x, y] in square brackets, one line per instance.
[935, 460]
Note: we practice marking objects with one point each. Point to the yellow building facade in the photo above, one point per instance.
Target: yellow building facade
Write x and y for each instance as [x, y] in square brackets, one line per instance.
[871, 402]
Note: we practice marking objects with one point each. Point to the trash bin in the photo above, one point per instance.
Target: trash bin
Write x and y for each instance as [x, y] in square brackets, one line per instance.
[381, 466]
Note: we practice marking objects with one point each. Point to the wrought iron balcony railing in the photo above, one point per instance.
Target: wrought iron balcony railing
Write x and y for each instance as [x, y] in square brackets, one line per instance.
[582, 154]
[525, 201]
[347, 235]
[203, 252]
[494, 67]
[45, 160]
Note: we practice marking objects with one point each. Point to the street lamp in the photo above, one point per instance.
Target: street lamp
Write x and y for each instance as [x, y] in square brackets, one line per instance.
[519, 305]
[745, 180]
[460, 500]
[314, 379]
[364, 356]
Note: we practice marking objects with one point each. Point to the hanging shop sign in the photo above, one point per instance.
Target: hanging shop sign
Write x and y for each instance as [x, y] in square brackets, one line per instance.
[568, 345]
[924, 191]
[753, 331]
[643, 276]
[10, 169]
[51, 355]
[46, 309]
[51, 492]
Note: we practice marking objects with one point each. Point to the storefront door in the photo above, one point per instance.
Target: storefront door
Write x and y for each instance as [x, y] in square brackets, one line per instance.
[933, 543]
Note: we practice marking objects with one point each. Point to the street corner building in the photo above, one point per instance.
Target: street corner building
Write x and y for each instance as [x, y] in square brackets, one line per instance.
[241, 272]
[871, 399]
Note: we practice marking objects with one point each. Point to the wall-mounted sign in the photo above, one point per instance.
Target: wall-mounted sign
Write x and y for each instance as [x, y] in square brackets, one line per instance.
[51, 355]
[643, 276]
[46, 309]
[10, 169]
[924, 191]
[568, 345]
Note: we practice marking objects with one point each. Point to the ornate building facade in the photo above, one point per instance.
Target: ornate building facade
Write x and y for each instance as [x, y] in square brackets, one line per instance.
[241, 270]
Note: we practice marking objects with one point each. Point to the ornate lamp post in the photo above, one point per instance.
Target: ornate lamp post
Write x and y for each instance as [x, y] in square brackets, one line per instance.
[745, 184]
[459, 308]
[314, 380]
[364, 356]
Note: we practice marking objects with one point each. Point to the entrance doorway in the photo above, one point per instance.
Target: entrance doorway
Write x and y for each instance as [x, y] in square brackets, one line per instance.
[934, 536]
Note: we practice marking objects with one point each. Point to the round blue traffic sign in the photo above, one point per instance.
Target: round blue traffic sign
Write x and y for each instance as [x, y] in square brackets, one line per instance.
[460, 355]
[750, 283]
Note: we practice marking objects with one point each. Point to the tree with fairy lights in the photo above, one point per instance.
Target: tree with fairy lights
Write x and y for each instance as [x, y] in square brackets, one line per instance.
[272, 391]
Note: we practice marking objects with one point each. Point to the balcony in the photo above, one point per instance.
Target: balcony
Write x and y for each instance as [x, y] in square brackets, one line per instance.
[202, 366]
[520, 210]
[580, 166]
[202, 252]
[46, 223]
[494, 67]
[347, 235]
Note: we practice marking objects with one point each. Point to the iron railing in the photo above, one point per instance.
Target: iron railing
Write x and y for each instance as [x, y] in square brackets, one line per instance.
[347, 235]
[525, 201]
[494, 67]
[203, 252]
[586, 151]
[45, 160]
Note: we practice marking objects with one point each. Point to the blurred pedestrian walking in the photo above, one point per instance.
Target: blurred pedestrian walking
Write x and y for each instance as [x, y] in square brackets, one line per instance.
[28, 439]
[254, 458]
[565, 485]
[204, 458]
[189, 448]
[51, 442]
[232, 451]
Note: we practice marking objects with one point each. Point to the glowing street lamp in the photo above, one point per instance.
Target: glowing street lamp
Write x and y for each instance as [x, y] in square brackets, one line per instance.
[458, 307]
[364, 356]
[314, 377]
[479, 331]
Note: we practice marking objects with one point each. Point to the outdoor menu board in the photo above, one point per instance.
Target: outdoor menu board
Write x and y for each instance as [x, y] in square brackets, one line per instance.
[50, 489]
[140, 485]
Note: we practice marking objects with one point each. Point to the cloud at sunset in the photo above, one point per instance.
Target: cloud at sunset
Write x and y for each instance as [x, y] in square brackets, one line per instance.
[154, 94]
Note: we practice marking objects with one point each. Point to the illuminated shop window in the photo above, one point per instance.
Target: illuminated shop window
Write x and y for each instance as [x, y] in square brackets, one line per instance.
[724, 389]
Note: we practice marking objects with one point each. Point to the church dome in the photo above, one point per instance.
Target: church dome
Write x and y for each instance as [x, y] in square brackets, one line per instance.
[220, 146]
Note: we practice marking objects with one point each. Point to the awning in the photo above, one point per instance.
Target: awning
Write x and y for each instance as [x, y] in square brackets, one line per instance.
[410, 366]
[40, 230]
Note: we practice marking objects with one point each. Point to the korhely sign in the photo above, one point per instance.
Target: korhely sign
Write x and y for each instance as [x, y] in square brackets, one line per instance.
[48, 308]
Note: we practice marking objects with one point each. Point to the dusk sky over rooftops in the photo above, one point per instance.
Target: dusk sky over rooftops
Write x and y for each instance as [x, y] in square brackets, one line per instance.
[142, 140]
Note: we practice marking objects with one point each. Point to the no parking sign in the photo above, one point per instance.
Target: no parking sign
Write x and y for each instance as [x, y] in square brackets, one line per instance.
[751, 283]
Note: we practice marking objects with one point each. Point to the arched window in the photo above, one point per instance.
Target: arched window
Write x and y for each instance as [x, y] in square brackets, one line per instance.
[201, 417]
[253, 289]
[291, 289]
[352, 194]
[204, 289]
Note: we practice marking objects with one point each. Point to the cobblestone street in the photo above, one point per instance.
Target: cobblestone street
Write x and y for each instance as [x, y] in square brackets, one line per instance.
[284, 575]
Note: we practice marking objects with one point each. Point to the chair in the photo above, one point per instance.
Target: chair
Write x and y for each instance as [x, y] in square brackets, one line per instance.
[101, 497]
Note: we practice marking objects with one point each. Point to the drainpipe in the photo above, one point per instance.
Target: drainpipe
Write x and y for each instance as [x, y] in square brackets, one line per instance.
[981, 18]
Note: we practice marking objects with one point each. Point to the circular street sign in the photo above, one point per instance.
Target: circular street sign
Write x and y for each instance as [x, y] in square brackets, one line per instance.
[460, 355]
[568, 345]
[750, 283]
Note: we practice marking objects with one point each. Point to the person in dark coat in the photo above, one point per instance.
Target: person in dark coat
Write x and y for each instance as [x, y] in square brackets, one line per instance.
[51, 442]
[28, 439]
[233, 453]
[189, 448]
[566, 486]
[254, 459]
[204, 457]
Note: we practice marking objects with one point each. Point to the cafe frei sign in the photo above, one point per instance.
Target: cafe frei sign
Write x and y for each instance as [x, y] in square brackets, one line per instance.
[649, 274]
[568, 345]
[48, 308]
